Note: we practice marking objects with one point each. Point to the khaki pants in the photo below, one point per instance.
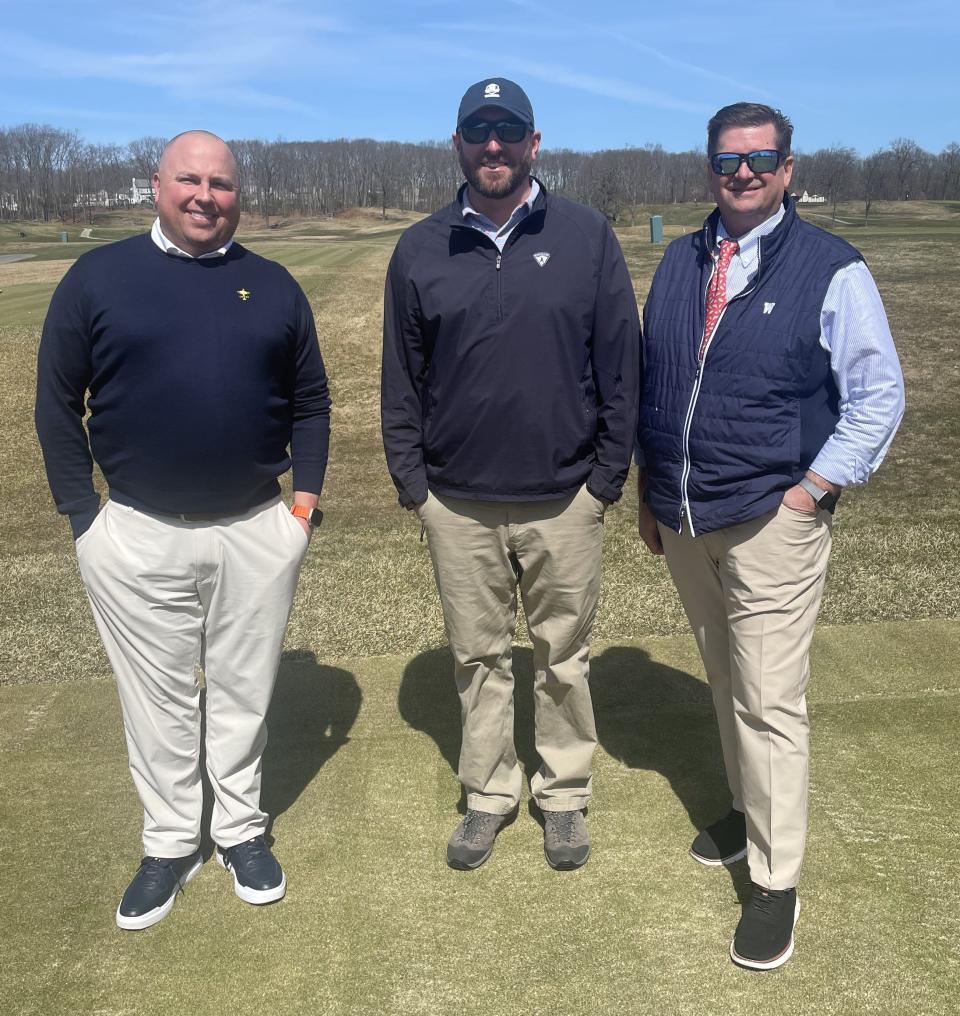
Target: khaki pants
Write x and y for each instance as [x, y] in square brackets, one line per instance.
[752, 593]
[557, 546]
[168, 595]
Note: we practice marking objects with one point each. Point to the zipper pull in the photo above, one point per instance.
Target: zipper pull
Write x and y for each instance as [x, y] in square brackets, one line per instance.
[499, 259]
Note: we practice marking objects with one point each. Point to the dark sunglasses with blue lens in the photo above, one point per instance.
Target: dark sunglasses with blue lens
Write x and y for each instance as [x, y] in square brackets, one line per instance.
[508, 131]
[727, 163]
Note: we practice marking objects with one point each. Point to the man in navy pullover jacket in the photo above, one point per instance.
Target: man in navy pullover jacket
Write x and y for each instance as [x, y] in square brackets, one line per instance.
[510, 366]
[770, 382]
[199, 365]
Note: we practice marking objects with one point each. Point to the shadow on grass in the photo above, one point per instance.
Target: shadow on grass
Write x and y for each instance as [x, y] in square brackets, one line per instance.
[649, 716]
[309, 720]
[652, 716]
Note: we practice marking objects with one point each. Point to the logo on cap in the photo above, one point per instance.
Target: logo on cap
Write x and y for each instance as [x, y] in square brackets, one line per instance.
[492, 91]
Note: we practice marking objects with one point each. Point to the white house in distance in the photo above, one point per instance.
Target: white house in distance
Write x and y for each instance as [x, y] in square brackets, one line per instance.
[811, 199]
[141, 192]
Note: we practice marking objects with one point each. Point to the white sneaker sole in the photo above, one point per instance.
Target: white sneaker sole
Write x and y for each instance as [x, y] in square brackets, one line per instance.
[255, 896]
[142, 921]
[711, 863]
[771, 964]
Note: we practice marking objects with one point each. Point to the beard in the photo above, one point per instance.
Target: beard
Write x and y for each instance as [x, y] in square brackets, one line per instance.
[514, 180]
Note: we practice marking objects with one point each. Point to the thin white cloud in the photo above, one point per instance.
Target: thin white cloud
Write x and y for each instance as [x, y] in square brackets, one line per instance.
[592, 29]
[557, 74]
[610, 88]
[224, 76]
[273, 19]
[30, 111]
[482, 29]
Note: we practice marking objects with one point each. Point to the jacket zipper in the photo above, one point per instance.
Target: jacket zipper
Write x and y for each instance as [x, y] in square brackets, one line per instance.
[517, 230]
[499, 288]
[697, 381]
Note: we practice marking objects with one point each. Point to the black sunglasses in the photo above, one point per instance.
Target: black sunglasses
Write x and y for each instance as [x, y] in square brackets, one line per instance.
[727, 163]
[508, 131]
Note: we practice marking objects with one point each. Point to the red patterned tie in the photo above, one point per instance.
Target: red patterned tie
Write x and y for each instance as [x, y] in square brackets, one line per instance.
[717, 292]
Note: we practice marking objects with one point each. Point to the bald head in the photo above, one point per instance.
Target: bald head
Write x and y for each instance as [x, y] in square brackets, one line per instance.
[196, 191]
[187, 139]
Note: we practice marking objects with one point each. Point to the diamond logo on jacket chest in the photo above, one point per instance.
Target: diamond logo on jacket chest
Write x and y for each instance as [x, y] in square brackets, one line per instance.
[244, 294]
[541, 257]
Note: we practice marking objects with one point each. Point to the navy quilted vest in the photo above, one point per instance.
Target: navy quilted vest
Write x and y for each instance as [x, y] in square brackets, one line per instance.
[725, 440]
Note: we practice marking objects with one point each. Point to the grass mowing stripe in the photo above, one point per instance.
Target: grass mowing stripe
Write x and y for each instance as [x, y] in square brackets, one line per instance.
[359, 773]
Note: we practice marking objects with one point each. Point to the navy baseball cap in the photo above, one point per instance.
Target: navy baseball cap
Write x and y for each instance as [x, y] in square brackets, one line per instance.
[499, 92]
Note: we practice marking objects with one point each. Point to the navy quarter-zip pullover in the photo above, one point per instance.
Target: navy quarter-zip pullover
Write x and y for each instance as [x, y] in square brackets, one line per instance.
[513, 375]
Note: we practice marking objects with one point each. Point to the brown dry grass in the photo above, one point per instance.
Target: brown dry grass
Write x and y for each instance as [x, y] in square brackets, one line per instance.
[367, 588]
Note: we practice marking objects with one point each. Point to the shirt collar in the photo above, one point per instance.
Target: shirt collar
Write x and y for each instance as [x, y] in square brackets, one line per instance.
[525, 206]
[750, 242]
[157, 235]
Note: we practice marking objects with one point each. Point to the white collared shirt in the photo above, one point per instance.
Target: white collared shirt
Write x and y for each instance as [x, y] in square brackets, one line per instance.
[499, 234]
[158, 237]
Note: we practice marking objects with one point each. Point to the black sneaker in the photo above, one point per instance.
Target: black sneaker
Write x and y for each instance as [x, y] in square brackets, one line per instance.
[149, 897]
[257, 875]
[566, 842]
[723, 842]
[764, 938]
[471, 843]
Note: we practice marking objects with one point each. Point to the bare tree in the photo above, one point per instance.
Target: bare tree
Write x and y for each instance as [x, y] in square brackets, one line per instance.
[872, 176]
[948, 172]
[144, 154]
[831, 172]
[905, 156]
[45, 172]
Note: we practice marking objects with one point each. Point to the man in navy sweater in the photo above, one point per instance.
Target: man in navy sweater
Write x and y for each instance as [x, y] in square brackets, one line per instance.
[770, 383]
[199, 365]
[510, 366]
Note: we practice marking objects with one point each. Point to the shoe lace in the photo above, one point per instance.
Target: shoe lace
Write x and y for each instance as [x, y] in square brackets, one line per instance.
[249, 850]
[152, 869]
[475, 825]
[562, 822]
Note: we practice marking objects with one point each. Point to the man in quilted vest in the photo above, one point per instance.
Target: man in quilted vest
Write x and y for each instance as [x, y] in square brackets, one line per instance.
[771, 382]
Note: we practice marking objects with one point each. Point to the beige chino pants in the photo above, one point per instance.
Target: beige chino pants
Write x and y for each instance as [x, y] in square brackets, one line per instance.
[752, 593]
[557, 545]
[168, 596]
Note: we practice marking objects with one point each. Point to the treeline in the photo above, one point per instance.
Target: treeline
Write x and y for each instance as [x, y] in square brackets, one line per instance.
[49, 174]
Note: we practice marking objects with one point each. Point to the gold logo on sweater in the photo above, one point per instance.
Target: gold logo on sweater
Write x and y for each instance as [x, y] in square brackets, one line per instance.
[243, 294]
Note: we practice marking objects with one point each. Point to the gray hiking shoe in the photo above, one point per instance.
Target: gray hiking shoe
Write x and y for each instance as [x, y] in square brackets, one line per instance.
[566, 841]
[472, 841]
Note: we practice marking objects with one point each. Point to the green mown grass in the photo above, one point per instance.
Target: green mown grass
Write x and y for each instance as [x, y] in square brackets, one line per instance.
[364, 729]
[359, 776]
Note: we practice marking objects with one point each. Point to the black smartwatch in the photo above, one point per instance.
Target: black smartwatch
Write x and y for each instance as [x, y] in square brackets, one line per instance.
[825, 499]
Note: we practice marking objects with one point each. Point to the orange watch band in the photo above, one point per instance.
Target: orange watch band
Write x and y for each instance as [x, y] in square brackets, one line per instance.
[312, 516]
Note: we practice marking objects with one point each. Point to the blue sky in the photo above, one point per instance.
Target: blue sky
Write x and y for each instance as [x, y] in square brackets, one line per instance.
[599, 74]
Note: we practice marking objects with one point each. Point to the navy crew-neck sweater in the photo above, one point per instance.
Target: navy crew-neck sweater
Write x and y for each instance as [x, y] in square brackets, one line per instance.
[201, 373]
